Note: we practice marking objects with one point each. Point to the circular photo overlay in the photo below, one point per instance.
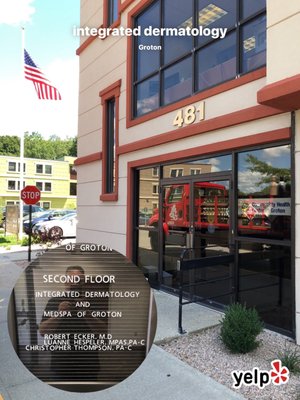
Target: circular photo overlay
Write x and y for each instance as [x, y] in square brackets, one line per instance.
[84, 317]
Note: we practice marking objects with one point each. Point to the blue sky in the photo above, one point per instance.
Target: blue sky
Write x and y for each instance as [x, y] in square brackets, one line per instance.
[49, 40]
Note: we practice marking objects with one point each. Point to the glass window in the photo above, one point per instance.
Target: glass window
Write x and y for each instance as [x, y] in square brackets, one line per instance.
[177, 81]
[155, 171]
[174, 173]
[48, 169]
[264, 190]
[254, 44]
[12, 166]
[147, 224]
[12, 185]
[148, 95]
[213, 58]
[46, 205]
[110, 146]
[177, 14]
[73, 189]
[148, 61]
[252, 7]
[154, 188]
[265, 282]
[148, 195]
[48, 186]
[216, 14]
[112, 11]
[73, 172]
[39, 185]
[174, 195]
[216, 62]
[208, 165]
[39, 168]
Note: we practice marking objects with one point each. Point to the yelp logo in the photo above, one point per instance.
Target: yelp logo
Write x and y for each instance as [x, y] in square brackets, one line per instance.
[278, 375]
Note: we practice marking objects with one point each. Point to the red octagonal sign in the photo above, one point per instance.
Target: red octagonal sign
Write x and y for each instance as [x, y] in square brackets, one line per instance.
[30, 195]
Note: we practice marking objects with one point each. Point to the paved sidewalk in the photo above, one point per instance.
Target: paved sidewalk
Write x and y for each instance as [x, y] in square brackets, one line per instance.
[160, 376]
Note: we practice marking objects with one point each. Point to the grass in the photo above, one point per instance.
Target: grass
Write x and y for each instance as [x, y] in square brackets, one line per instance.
[290, 358]
[8, 240]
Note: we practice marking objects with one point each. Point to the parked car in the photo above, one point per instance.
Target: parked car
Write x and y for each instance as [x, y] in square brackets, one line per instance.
[56, 229]
[45, 216]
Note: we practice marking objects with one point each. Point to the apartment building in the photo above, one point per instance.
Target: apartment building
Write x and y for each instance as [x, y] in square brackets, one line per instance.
[56, 180]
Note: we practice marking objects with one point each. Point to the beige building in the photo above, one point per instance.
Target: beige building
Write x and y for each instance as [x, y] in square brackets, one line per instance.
[216, 121]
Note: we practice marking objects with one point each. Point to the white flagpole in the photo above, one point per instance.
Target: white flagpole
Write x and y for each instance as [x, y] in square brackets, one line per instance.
[22, 138]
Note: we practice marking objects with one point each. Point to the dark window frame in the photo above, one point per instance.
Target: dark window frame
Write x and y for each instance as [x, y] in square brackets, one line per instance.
[237, 28]
[48, 166]
[236, 238]
[110, 167]
[110, 19]
[46, 185]
[73, 189]
[36, 168]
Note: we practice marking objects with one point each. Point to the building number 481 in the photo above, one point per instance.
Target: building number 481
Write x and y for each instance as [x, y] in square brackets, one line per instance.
[190, 115]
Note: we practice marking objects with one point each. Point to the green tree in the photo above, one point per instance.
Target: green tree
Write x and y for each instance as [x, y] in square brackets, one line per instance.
[73, 147]
[10, 145]
[267, 171]
[35, 146]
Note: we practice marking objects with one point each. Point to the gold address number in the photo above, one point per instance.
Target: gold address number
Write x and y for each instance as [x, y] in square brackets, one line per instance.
[190, 115]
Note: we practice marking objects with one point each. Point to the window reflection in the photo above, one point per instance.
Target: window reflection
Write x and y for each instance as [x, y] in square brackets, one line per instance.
[265, 282]
[197, 167]
[217, 62]
[147, 223]
[148, 61]
[178, 81]
[177, 14]
[216, 14]
[251, 7]
[211, 62]
[148, 95]
[112, 11]
[264, 187]
[254, 44]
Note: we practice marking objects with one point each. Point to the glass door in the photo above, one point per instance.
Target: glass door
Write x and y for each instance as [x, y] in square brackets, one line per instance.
[196, 216]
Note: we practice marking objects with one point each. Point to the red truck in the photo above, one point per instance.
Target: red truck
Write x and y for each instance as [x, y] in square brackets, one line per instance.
[211, 212]
[268, 216]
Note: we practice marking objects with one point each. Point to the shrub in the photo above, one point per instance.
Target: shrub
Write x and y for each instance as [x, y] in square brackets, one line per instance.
[34, 240]
[290, 358]
[240, 327]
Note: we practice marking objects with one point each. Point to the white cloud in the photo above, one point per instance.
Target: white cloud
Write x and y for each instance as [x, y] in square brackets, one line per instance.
[16, 12]
[214, 162]
[249, 181]
[277, 151]
[20, 113]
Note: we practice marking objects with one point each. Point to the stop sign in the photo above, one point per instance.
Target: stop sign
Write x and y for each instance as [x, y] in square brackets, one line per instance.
[30, 194]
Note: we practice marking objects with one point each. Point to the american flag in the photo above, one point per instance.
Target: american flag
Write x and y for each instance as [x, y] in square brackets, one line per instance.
[44, 89]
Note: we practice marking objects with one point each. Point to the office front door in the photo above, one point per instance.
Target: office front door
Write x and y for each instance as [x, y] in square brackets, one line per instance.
[195, 215]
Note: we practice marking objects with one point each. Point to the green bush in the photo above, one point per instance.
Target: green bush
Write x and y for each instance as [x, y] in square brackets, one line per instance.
[240, 327]
[34, 240]
[290, 358]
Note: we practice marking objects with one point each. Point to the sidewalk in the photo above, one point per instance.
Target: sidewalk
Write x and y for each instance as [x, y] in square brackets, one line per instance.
[160, 376]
